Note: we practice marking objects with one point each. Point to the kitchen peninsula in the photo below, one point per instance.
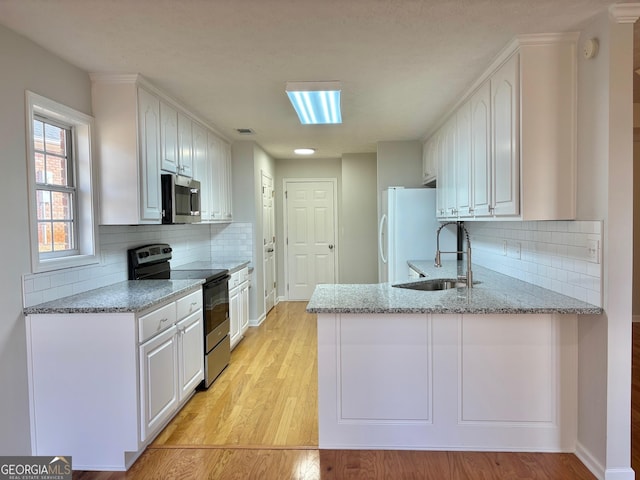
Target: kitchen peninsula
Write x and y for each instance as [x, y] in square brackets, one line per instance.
[493, 367]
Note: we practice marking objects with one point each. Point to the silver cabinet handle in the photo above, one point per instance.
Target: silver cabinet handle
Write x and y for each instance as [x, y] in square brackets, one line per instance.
[269, 250]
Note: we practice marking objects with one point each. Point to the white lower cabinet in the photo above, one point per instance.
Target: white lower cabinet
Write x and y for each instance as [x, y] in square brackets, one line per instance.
[103, 385]
[238, 305]
[158, 380]
[190, 360]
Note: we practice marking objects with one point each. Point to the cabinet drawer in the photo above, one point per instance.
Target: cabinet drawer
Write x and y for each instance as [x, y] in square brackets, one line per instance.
[244, 275]
[234, 281]
[157, 321]
[189, 304]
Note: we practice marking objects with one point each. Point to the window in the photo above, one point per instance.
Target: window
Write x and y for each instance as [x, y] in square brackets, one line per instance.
[61, 205]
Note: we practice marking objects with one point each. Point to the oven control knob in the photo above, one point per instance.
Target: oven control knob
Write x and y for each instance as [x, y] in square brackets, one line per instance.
[166, 250]
[143, 254]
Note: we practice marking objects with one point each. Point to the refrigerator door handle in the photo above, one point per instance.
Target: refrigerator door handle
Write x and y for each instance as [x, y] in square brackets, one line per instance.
[380, 240]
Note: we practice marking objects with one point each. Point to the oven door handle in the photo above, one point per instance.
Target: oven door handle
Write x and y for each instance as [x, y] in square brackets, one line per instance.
[217, 281]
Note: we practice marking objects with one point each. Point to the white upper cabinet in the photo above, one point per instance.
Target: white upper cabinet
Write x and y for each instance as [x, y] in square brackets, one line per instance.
[514, 153]
[480, 151]
[185, 146]
[169, 136]
[202, 169]
[127, 120]
[219, 153]
[505, 168]
[429, 161]
[463, 161]
[140, 133]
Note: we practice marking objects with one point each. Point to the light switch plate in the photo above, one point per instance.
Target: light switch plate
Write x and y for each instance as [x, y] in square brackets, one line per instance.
[593, 251]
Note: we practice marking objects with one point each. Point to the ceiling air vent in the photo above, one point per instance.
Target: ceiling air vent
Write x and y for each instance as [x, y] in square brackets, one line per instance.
[245, 131]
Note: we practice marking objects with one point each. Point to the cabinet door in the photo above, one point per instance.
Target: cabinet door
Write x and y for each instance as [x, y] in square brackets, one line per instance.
[480, 151]
[190, 353]
[429, 156]
[158, 379]
[449, 168]
[149, 145]
[438, 149]
[202, 169]
[169, 138]
[185, 145]
[244, 302]
[462, 183]
[235, 310]
[227, 199]
[220, 159]
[505, 124]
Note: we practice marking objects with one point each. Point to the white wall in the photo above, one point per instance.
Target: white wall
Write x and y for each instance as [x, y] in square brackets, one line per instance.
[25, 66]
[605, 192]
[248, 161]
[358, 219]
[399, 164]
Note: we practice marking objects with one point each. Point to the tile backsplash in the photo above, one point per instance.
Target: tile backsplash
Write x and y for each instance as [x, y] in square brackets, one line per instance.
[217, 242]
[563, 256]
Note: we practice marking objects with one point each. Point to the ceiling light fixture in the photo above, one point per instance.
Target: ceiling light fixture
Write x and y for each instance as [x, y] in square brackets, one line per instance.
[315, 102]
[304, 151]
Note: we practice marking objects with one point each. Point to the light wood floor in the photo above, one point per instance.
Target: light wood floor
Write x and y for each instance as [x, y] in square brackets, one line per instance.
[267, 396]
[259, 421]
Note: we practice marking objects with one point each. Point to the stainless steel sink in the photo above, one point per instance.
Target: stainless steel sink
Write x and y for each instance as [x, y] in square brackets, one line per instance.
[434, 284]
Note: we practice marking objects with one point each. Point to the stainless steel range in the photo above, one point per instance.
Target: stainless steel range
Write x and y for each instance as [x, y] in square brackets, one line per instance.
[151, 262]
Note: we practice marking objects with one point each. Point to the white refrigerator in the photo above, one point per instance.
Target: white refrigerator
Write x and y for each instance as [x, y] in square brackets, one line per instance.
[407, 231]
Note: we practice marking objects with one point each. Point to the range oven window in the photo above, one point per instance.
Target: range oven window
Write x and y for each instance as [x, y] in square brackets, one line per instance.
[216, 301]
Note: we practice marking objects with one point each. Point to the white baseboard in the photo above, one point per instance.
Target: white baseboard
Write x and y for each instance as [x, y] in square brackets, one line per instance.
[281, 299]
[586, 457]
[619, 474]
[258, 321]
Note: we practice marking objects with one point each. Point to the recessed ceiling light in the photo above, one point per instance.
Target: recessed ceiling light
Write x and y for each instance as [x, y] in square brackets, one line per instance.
[315, 102]
[304, 151]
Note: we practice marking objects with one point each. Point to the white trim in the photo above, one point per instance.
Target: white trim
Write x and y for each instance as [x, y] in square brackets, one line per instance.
[139, 80]
[510, 49]
[86, 221]
[625, 12]
[285, 181]
[257, 322]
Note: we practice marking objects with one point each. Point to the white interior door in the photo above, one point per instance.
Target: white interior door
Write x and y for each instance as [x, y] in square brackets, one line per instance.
[269, 242]
[311, 248]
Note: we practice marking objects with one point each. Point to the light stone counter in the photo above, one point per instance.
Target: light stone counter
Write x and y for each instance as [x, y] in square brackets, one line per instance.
[495, 293]
[130, 296]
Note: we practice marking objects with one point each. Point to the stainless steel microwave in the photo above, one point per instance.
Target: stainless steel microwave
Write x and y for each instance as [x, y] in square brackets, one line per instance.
[180, 199]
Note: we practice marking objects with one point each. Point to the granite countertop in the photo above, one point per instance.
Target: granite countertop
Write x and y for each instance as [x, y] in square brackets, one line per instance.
[130, 296]
[231, 265]
[496, 293]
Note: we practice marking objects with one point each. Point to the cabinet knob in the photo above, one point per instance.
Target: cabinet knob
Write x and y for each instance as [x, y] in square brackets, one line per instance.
[330, 247]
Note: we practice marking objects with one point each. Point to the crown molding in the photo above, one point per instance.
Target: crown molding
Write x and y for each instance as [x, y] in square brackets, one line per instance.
[625, 12]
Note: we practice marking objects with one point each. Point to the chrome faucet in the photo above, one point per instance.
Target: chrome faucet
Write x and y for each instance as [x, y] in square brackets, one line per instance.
[468, 278]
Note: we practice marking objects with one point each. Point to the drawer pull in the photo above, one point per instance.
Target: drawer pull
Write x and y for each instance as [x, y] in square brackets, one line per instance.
[162, 320]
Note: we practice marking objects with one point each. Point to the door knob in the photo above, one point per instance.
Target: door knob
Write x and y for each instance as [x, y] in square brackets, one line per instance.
[330, 247]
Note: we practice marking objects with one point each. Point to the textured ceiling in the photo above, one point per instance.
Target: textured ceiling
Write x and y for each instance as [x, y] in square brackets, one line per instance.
[402, 63]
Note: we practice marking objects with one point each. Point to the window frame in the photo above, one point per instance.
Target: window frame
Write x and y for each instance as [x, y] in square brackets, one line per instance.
[85, 222]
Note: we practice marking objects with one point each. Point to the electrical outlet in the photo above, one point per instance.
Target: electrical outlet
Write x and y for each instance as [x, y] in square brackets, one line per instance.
[593, 251]
[513, 249]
